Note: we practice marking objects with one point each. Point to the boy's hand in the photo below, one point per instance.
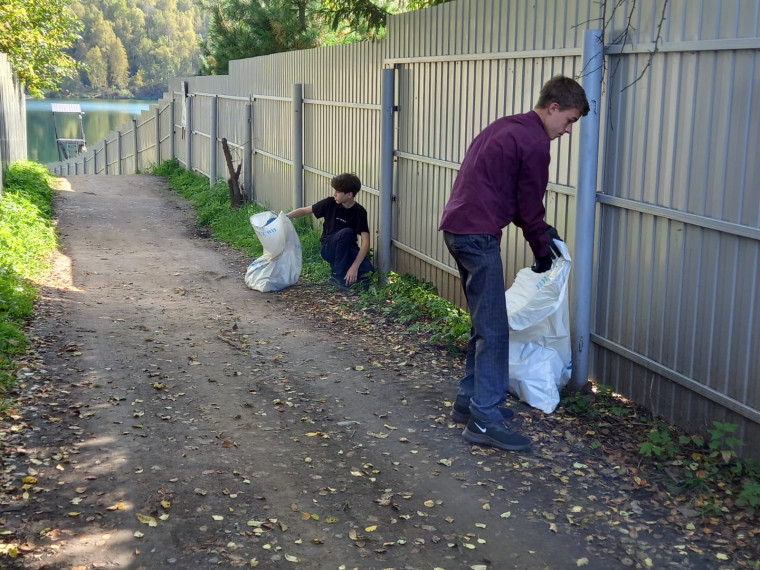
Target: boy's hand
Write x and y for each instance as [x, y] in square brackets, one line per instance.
[351, 275]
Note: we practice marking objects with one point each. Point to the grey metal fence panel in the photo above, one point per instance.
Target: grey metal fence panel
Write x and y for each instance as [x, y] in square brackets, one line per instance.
[678, 302]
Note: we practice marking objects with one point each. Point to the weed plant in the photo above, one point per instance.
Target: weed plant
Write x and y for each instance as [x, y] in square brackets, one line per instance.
[27, 240]
[706, 470]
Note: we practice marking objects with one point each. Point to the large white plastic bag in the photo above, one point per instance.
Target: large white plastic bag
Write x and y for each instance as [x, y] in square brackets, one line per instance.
[540, 354]
[271, 231]
[272, 272]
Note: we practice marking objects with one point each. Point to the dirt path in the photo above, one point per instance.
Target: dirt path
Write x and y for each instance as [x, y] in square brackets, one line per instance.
[175, 418]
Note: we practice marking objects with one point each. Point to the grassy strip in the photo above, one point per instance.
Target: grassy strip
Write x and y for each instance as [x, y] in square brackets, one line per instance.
[27, 238]
[403, 299]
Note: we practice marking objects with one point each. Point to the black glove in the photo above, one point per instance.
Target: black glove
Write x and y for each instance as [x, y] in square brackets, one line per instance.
[543, 264]
[552, 234]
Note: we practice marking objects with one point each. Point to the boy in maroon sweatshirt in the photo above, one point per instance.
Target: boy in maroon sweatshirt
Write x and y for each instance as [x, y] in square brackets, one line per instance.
[502, 180]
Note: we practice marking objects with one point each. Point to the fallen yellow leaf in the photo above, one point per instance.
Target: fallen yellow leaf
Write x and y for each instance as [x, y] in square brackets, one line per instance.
[145, 519]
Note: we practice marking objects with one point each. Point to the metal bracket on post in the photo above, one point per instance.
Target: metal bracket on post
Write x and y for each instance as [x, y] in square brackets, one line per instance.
[386, 171]
[585, 208]
[297, 145]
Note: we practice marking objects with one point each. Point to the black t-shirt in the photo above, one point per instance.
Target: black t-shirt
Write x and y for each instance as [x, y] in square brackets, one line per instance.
[337, 217]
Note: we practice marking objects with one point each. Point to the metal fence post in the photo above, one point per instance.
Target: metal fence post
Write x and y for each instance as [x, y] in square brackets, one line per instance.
[189, 134]
[134, 142]
[585, 211]
[157, 126]
[297, 145]
[172, 142]
[212, 140]
[386, 171]
[247, 152]
[118, 152]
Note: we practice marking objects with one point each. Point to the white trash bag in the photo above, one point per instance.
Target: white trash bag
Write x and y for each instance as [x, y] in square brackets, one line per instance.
[280, 265]
[540, 354]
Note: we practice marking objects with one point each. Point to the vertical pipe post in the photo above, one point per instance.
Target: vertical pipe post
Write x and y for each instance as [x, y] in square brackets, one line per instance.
[189, 134]
[157, 125]
[118, 152]
[214, 135]
[585, 211]
[134, 142]
[172, 131]
[247, 153]
[297, 145]
[386, 170]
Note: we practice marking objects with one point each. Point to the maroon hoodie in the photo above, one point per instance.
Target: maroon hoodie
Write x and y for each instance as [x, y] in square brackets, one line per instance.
[503, 180]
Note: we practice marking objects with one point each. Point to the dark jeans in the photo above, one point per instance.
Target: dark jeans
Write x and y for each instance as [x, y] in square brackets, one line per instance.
[486, 378]
[339, 249]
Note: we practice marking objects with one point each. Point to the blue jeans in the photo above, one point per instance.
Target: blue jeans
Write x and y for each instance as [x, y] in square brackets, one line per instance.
[486, 378]
[339, 249]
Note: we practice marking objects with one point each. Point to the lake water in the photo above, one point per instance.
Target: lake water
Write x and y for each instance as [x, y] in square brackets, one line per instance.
[101, 116]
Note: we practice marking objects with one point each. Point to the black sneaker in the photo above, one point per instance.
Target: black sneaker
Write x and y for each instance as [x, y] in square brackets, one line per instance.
[495, 435]
[334, 281]
[460, 413]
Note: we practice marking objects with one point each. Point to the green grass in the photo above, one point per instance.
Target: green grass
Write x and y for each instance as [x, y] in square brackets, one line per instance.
[27, 240]
[403, 299]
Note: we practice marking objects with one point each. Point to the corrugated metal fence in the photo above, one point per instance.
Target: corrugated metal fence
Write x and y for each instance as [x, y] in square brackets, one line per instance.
[12, 118]
[676, 310]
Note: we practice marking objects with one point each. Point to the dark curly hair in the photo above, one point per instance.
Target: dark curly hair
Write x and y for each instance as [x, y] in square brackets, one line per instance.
[346, 182]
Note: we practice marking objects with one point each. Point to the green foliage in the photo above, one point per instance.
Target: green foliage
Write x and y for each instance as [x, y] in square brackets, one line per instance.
[712, 470]
[133, 47]
[413, 302]
[749, 496]
[248, 28]
[27, 234]
[27, 238]
[659, 443]
[35, 35]
[314, 267]
[601, 402]
[367, 16]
